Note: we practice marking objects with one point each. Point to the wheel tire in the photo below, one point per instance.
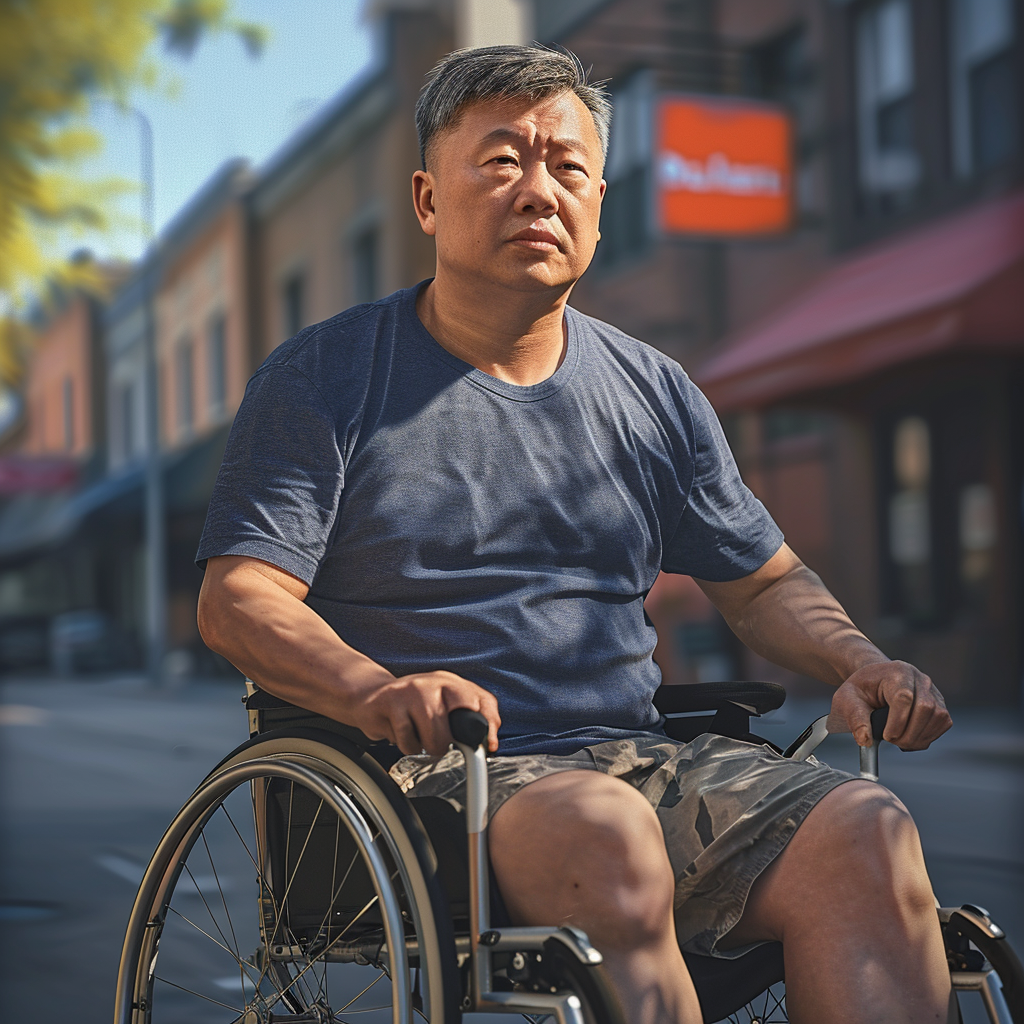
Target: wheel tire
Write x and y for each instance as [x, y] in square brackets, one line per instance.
[262, 928]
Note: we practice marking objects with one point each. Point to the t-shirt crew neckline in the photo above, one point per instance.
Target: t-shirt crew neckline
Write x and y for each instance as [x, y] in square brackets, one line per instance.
[515, 392]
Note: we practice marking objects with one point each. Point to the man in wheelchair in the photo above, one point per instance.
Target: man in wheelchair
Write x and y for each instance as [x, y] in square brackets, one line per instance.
[459, 496]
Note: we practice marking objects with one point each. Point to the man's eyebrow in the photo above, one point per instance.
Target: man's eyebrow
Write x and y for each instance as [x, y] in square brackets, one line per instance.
[512, 136]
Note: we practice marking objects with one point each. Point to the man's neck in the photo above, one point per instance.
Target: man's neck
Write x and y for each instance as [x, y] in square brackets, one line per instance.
[514, 336]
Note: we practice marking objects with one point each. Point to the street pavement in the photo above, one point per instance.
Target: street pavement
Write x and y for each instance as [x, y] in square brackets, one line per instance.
[92, 771]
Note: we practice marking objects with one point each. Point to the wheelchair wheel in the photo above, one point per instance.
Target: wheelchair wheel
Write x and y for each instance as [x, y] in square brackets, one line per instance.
[983, 964]
[984, 968]
[767, 1008]
[295, 885]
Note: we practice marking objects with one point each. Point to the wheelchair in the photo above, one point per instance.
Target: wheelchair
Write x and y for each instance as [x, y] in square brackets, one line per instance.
[299, 884]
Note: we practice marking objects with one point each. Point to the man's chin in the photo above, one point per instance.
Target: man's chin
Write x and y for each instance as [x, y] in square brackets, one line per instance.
[531, 277]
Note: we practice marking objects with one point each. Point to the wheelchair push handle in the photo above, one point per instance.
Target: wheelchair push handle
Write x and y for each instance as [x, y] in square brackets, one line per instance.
[869, 755]
[878, 719]
[467, 727]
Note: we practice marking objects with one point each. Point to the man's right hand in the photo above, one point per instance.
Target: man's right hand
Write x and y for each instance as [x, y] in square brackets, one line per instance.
[412, 711]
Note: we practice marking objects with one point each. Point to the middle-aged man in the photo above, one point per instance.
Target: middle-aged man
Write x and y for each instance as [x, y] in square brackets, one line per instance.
[459, 496]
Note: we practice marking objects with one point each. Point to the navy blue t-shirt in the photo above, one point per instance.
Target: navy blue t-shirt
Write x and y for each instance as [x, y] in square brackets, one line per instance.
[445, 519]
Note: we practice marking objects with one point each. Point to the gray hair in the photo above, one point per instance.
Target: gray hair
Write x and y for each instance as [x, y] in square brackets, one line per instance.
[504, 72]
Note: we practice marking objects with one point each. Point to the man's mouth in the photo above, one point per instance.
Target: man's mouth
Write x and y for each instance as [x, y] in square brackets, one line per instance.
[537, 238]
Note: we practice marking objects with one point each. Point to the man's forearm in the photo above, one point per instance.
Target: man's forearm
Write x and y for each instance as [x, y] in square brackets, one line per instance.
[796, 623]
[283, 645]
[786, 614]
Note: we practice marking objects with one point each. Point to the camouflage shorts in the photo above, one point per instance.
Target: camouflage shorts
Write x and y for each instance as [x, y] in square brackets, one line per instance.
[727, 809]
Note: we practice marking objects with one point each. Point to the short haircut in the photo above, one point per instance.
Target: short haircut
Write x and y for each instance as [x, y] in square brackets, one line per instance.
[504, 72]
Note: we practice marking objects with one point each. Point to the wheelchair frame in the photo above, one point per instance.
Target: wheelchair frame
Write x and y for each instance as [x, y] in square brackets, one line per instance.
[365, 800]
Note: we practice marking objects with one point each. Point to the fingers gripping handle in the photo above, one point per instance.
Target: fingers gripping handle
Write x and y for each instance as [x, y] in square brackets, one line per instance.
[869, 755]
[468, 727]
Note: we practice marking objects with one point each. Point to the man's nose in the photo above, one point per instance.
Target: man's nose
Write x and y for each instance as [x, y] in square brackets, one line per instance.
[537, 192]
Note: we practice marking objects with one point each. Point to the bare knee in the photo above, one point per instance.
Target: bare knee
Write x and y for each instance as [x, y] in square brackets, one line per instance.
[874, 842]
[587, 851]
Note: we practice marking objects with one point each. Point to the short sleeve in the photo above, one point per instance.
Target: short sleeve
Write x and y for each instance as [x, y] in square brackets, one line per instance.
[724, 533]
[277, 493]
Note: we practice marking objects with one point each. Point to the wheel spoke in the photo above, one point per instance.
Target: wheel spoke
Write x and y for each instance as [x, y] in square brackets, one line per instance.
[202, 931]
[216, 923]
[220, 889]
[298, 862]
[326, 948]
[342, 1009]
[261, 878]
[198, 995]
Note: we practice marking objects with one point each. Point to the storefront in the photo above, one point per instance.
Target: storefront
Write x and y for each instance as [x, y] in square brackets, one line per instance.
[905, 368]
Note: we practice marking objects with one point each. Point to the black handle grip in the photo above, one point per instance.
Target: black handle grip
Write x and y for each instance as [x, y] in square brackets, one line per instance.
[878, 719]
[468, 727]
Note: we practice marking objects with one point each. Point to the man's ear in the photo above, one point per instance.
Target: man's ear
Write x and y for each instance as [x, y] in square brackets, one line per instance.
[423, 200]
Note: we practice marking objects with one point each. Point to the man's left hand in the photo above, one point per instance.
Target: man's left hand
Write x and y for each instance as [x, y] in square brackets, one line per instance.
[917, 712]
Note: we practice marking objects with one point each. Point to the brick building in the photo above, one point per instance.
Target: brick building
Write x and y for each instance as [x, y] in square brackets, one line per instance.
[868, 361]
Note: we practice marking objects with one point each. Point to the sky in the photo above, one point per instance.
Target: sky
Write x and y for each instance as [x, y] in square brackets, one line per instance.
[227, 104]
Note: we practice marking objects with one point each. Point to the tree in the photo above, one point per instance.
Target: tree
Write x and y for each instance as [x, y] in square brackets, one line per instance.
[57, 57]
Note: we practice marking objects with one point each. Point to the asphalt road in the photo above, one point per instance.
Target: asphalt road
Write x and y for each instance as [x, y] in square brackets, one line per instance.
[91, 772]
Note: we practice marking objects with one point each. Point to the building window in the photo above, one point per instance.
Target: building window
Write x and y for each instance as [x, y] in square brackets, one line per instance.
[125, 435]
[624, 213]
[889, 167]
[909, 521]
[364, 266]
[183, 385]
[983, 87]
[217, 363]
[293, 294]
[780, 69]
[69, 414]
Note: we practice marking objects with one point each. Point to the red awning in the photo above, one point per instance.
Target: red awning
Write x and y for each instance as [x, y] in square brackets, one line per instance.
[953, 285]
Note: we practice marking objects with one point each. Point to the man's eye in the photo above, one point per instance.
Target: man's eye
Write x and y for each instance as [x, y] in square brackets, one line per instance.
[510, 161]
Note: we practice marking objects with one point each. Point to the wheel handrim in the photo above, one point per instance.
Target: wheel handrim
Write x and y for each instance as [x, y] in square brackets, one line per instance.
[283, 977]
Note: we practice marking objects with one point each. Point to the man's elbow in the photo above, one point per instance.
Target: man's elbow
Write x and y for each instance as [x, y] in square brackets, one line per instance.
[211, 615]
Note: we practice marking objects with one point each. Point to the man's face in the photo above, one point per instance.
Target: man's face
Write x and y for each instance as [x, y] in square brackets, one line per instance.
[513, 193]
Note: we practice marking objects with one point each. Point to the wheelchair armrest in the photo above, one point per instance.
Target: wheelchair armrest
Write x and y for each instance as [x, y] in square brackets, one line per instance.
[695, 697]
[268, 712]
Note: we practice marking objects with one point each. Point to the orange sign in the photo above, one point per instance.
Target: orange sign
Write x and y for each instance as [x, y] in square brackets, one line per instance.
[724, 167]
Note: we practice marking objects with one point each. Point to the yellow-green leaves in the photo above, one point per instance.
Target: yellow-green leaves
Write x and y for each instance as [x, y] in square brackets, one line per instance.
[56, 56]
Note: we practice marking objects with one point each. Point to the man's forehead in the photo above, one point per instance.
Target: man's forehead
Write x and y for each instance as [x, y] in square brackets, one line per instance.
[562, 119]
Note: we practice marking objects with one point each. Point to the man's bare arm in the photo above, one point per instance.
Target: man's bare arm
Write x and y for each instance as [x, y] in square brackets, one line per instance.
[254, 614]
[786, 614]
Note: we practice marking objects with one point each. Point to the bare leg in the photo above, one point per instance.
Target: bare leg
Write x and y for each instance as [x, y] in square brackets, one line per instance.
[585, 849]
[850, 899]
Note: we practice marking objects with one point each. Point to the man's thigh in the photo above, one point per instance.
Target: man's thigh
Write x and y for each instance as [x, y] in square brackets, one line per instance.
[579, 846]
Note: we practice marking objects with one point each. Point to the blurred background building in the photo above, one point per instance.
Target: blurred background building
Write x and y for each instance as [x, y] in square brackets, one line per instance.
[816, 206]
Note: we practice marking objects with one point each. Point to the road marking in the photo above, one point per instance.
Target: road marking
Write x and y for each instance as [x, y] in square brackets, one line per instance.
[22, 714]
[233, 983]
[132, 871]
[129, 870]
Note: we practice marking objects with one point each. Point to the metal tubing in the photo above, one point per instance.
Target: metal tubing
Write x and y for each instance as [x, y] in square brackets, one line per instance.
[479, 875]
[869, 762]
[815, 735]
[566, 1009]
[991, 989]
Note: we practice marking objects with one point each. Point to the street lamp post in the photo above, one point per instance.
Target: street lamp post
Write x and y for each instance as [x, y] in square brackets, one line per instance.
[155, 529]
